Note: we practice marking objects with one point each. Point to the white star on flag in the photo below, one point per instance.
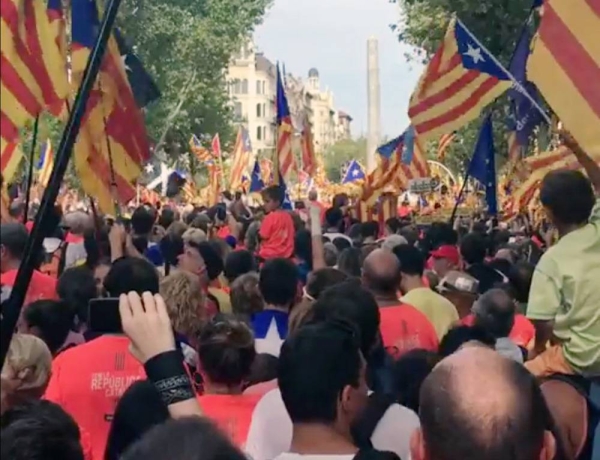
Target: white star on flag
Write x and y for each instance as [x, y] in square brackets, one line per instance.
[149, 168]
[475, 54]
[355, 173]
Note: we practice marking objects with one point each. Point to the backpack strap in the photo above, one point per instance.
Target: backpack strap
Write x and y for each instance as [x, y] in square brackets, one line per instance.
[62, 250]
[372, 454]
[364, 428]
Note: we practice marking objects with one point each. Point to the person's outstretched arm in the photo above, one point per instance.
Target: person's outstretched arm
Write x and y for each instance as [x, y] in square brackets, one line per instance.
[591, 168]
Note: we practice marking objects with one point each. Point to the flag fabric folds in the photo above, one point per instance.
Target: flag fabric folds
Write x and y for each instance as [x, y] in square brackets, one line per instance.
[482, 166]
[287, 203]
[112, 143]
[256, 182]
[459, 81]
[354, 172]
[284, 154]
[443, 144]
[45, 164]
[215, 146]
[33, 73]
[565, 66]
[242, 153]
[266, 168]
[202, 154]
[309, 162]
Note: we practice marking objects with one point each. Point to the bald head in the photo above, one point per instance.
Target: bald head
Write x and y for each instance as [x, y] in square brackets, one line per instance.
[312, 195]
[381, 272]
[459, 420]
[495, 312]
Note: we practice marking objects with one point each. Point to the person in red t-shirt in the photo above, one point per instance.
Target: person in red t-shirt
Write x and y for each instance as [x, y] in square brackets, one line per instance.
[225, 355]
[13, 239]
[277, 229]
[88, 380]
[403, 327]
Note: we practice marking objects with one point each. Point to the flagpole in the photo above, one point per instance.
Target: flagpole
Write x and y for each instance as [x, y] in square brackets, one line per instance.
[36, 124]
[518, 85]
[11, 310]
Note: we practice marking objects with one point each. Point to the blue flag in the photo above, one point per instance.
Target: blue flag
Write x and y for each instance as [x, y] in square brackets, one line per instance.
[524, 117]
[409, 145]
[256, 182]
[353, 173]
[482, 166]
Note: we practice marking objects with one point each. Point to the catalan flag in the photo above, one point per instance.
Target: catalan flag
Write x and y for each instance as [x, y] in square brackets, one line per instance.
[201, 153]
[45, 164]
[214, 181]
[443, 144]
[266, 168]
[565, 66]
[256, 181]
[460, 80]
[33, 74]
[112, 143]
[309, 162]
[242, 152]
[284, 154]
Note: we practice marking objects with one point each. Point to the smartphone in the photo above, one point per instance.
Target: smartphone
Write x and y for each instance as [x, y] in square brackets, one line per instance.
[104, 317]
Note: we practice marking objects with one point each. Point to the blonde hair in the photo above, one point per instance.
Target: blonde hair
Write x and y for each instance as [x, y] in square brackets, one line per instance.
[27, 368]
[195, 235]
[186, 302]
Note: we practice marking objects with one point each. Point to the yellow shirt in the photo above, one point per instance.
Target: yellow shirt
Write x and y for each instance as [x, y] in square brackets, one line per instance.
[439, 310]
[566, 289]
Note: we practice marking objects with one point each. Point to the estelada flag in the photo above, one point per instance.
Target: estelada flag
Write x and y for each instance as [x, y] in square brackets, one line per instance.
[565, 66]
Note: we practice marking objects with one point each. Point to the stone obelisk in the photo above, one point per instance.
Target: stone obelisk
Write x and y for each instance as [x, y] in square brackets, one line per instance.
[373, 102]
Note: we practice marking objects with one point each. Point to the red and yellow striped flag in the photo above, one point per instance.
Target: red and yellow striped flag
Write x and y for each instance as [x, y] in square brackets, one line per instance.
[445, 142]
[565, 66]
[309, 161]
[459, 81]
[201, 153]
[284, 155]
[242, 152]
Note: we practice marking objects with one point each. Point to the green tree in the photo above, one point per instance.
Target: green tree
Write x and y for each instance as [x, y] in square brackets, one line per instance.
[186, 46]
[497, 24]
[341, 153]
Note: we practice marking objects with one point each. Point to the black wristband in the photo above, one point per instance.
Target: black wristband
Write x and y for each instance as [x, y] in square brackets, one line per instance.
[167, 372]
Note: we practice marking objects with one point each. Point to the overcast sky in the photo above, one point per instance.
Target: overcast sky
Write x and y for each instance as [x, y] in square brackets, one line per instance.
[331, 35]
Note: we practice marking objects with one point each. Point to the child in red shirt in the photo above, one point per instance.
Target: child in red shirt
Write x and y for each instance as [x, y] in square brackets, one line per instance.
[277, 229]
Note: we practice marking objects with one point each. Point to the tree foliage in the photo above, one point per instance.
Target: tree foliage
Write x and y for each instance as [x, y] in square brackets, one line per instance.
[496, 23]
[186, 46]
[341, 153]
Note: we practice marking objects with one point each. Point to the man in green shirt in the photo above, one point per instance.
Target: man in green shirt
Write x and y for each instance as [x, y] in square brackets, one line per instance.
[564, 301]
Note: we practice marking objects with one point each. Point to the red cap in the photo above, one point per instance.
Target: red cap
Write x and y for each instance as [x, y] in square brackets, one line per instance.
[447, 251]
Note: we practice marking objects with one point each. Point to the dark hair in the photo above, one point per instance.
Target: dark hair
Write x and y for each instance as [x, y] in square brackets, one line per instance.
[76, 287]
[39, 430]
[495, 312]
[96, 245]
[212, 259]
[317, 350]
[226, 350]
[350, 302]
[341, 243]
[14, 238]
[557, 191]
[239, 263]
[171, 247]
[473, 248]
[303, 246]
[322, 279]
[369, 229]
[411, 234]
[393, 224]
[520, 277]
[279, 281]
[457, 336]
[350, 262]
[274, 193]
[245, 296]
[131, 274]
[333, 217]
[187, 438]
[138, 410]
[264, 369]
[167, 217]
[450, 431]
[411, 260]
[142, 221]
[409, 372]
[438, 234]
[53, 319]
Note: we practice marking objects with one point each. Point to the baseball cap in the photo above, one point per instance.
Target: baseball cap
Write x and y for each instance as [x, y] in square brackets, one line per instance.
[456, 281]
[447, 251]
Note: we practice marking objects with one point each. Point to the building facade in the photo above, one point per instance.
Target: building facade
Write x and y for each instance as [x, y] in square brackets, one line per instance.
[251, 82]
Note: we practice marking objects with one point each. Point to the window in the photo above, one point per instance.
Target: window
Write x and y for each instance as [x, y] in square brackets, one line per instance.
[244, 86]
[258, 110]
[263, 87]
[235, 86]
[237, 110]
[258, 134]
[258, 87]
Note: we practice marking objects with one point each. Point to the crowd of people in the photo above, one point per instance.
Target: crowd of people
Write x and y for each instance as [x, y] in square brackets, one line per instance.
[231, 332]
